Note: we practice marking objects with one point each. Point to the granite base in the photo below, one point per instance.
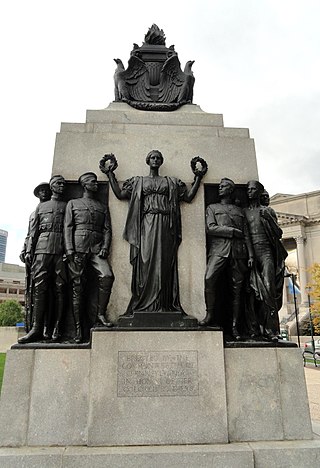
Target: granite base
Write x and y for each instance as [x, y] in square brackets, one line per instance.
[295, 454]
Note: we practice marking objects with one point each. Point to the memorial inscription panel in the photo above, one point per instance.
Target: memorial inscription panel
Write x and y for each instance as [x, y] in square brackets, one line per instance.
[158, 373]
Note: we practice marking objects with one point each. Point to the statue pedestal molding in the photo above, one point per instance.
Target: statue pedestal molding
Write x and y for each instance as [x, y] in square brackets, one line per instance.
[158, 321]
[175, 396]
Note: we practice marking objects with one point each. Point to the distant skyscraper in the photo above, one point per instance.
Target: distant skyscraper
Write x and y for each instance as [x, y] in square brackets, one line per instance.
[3, 245]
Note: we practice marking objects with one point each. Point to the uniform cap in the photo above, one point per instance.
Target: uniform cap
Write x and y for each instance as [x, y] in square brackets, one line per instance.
[229, 181]
[55, 178]
[86, 176]
[40, 186]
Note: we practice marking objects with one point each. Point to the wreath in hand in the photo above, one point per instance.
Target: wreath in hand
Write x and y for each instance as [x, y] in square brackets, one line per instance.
[195, 162]
[108, 163]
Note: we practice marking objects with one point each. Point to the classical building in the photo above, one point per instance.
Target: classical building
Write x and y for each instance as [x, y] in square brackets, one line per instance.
[299, 218]
[12, 282]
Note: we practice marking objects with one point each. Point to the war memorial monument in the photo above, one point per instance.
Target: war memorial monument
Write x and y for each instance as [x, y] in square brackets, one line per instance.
[154, 280]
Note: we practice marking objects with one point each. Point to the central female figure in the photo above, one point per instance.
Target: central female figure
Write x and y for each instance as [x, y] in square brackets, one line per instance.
[153, 229]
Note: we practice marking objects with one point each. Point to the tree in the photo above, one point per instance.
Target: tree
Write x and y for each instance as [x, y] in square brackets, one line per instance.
[315, 295]
[10, 313]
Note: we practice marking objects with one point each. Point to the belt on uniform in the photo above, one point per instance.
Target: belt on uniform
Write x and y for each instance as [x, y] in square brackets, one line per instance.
[88, 227]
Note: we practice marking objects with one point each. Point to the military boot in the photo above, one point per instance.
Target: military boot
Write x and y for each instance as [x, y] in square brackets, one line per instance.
[210, 302]
[104, 294]
[76, 309]
[36, 332]
[235, 318]
[56, 334]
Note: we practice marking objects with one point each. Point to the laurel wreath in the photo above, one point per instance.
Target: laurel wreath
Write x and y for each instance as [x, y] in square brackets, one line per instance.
[204, 166]
[112, 163]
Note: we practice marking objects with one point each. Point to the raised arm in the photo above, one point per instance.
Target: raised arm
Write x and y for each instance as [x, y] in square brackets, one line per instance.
[108, 165]
[191, 193]
[199, 172]
[117, 190]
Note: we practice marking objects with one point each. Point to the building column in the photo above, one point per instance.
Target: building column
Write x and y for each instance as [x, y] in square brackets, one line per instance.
[302, 268]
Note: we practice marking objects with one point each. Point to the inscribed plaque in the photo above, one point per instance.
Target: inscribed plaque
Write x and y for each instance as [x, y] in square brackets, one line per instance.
[157, 373]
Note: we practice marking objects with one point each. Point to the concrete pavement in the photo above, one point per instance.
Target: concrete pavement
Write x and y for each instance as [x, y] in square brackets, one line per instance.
[312, 374]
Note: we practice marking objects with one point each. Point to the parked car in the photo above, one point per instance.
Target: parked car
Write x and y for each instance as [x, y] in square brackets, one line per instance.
[308, 347]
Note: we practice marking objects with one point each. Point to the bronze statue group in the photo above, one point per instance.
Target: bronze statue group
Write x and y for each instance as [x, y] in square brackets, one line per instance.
[65, 242]
[67, 247]
[245, 250]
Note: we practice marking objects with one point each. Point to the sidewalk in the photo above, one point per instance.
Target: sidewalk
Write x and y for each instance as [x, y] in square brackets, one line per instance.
[313, 387]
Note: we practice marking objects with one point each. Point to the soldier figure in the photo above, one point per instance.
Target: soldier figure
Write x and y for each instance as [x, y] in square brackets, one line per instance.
[265, 198]
[267, 276]
[230, 251]
[45, 248]
[87, 240]
[43, 192]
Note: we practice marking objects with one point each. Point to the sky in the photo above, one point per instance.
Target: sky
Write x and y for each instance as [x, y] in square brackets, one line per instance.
[256, 62]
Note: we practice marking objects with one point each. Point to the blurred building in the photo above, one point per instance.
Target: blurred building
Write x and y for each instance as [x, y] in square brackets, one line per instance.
[3, 244]
[12, 282]
[299, 218]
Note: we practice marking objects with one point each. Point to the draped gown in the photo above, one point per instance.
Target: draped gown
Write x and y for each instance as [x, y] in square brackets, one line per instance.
[153, 229]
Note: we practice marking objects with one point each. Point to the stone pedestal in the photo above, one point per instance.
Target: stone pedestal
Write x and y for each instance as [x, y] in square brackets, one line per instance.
[169, 398]
[131, 388]
[158, 388]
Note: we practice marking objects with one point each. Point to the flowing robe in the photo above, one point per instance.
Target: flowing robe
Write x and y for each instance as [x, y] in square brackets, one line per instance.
[153, 229]
[268, 290]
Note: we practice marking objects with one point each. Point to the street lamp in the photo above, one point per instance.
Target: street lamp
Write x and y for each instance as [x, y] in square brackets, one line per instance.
[292, 276]
[308, 289]
[295, 306]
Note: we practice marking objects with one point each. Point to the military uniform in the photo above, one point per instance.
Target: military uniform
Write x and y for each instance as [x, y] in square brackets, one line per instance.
[227, 252]
[45, 245]
[87, 230]
[43, 192]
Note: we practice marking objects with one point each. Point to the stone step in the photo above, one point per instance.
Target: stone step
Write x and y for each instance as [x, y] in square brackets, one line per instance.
[293, 454]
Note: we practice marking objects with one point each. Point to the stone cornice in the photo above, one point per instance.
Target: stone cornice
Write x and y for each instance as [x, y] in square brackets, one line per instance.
[282, 197]
[287, 219]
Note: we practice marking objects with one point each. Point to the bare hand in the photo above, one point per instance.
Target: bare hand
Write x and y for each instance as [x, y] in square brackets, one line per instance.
[69, 257]
[22, 257]
[103, 253]
[28, 259]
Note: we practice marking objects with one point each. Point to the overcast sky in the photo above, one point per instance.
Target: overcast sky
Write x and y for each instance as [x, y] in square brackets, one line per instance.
[256, 62]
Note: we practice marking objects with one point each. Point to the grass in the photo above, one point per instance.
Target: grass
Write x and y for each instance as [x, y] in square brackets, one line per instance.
[2, 361]
[310, 360]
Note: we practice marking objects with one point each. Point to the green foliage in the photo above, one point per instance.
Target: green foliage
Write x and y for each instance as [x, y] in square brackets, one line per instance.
[304, 328]
[315, 295]
[316, 322]
[10, 313]
[2, 361]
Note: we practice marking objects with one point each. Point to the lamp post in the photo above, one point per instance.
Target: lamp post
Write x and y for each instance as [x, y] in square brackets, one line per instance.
[295, 306]
[292, 276]
[311, 327]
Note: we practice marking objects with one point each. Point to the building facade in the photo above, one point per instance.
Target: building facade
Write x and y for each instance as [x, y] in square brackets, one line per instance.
[299, 218]
[3, 244]
[12, 282]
